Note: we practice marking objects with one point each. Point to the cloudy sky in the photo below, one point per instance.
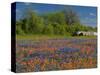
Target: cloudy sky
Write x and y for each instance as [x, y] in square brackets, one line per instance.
[87, 15]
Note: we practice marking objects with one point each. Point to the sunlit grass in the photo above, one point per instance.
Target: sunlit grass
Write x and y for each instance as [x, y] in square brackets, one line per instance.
[45, 37]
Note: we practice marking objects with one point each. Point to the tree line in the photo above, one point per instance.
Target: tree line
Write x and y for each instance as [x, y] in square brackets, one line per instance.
[53, 23]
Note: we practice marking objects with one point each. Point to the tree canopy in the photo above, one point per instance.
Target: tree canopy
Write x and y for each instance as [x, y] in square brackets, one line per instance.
[54, 23]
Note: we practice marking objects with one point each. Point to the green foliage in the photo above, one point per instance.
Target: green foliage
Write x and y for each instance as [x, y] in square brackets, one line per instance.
[48, 29]
[57, 17]
[71, 17]
[19, 30]
[55, 23]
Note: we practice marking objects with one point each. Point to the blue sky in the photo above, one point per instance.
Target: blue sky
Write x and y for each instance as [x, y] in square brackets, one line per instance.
[87, 15]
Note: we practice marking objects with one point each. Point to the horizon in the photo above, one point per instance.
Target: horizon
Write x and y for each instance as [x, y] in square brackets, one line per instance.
[87, 15]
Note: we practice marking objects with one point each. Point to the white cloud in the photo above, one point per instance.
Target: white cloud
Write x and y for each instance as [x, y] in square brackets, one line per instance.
[27, 3]
[91, 14]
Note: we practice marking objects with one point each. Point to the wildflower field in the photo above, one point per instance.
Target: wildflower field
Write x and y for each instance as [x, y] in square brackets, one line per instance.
[55, 54]
[53, 37]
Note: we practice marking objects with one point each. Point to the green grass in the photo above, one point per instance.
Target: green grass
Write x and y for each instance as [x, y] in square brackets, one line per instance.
[91, 37]
[44, 37]
[41, 37]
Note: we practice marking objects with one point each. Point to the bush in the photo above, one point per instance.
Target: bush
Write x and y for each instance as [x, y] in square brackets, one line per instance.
[19, 30]
[48, 29]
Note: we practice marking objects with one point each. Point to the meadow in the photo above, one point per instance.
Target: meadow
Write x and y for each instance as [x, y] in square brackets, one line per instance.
[46, 54]
[47, 39]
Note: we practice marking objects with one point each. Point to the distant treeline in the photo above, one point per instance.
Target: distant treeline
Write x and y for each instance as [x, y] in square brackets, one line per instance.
[52, 23]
